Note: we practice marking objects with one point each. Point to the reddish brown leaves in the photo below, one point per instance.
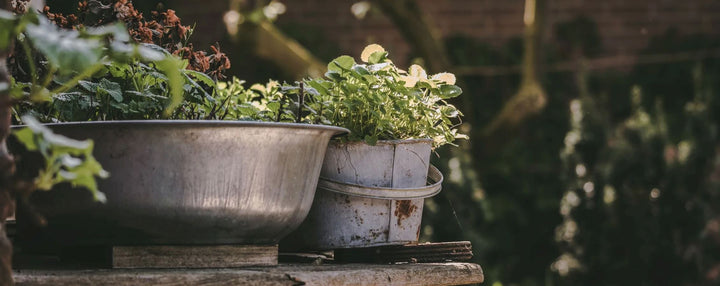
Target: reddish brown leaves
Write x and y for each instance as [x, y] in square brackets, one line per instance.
[163, 29]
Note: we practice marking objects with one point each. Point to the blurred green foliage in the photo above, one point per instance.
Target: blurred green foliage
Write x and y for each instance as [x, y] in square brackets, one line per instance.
[534, 220]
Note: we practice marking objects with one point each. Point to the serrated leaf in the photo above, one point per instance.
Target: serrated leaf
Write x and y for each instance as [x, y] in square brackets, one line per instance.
[87, 85]
[111, 88]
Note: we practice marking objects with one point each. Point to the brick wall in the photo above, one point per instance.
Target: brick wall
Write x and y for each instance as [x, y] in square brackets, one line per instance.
[624, 25]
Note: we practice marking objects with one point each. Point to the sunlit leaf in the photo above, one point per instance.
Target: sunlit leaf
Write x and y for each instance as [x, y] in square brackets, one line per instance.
[341, 64]
[64, 49]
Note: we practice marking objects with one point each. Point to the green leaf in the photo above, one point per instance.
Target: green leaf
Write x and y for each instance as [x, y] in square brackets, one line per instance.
[27, 138]
[341, 63]
[66, 160]
[371, 140]
[171, 67]
[7, 29]
[317, 86]
[377, 67]
[64, 49]
[449, 91]
[150, 52]
[89, 86]
[52, 138]
[207, 80]
[111, 88]
[378, 57]
[333, 75]
[361, 70]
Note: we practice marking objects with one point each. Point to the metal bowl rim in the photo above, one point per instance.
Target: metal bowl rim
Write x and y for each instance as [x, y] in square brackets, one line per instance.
[202, 123]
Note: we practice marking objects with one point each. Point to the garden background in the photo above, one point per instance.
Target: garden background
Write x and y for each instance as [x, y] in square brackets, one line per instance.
[593, 125]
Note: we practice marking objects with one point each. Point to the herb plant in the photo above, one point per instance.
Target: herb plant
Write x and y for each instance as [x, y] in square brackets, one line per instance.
[378, 101]
[270, 102]
[375, 100]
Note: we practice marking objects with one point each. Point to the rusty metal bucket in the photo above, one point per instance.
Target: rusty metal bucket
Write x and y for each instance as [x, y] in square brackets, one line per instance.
[368, 196]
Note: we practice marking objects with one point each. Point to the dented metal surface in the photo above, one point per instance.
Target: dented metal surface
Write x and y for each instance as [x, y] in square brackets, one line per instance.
[189, 182]
[375, 216]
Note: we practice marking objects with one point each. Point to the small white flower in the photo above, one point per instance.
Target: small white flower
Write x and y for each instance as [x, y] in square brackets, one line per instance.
[369, 50]
[258, 87]
[418, 71]
[445, 77]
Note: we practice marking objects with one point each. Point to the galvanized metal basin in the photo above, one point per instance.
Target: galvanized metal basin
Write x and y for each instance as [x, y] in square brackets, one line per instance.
[187, 182]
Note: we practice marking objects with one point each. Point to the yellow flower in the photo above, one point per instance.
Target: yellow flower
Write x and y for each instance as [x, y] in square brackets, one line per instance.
[369, 50]
[418, 71]
[445, 77]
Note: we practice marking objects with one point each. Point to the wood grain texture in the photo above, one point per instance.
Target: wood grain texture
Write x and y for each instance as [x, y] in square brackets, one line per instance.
[284, 274]
[128, 277]
[220, 256]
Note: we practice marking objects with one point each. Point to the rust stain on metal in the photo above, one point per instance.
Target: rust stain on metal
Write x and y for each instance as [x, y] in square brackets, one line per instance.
[403, 210]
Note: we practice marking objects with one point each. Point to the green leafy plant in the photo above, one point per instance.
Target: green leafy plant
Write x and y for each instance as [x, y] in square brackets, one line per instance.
[60, 62]
[378, 101]
[125, 91]
[375, 100]
[66, 160]
[232, 101]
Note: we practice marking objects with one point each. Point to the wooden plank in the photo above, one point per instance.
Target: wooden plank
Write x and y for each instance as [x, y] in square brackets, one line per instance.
[131, 277]
[284, 274]
[163, 256]
[388, 274]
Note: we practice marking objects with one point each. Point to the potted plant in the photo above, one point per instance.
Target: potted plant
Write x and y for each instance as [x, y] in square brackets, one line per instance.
[374, 181]
[180, 181]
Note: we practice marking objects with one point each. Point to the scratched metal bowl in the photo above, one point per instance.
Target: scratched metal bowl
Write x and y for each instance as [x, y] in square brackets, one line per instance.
[187, 182]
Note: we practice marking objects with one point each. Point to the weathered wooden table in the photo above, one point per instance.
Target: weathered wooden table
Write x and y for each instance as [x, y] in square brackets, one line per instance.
[284, 274]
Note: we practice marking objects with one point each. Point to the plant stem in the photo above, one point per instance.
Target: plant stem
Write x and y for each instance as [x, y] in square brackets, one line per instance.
[301, 102]
[31, 62]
